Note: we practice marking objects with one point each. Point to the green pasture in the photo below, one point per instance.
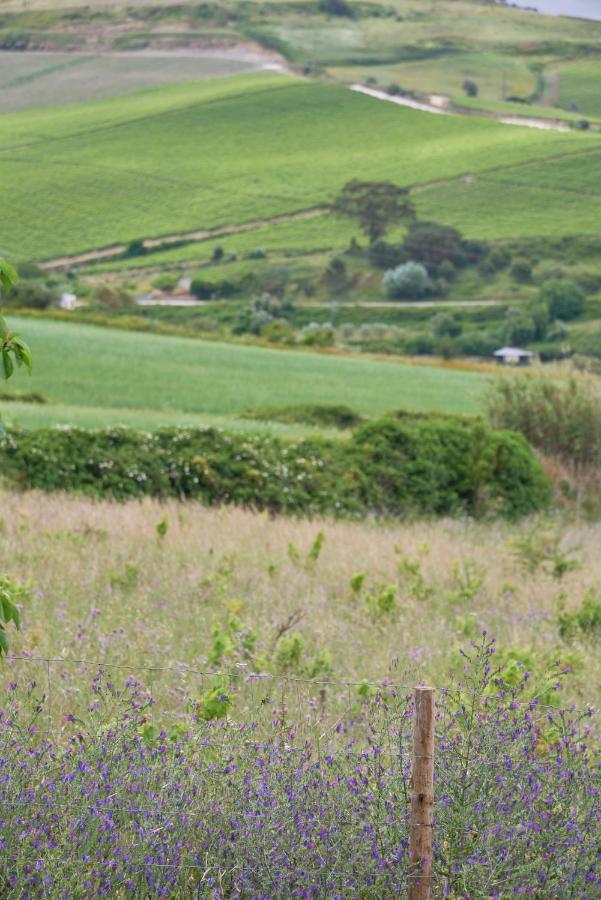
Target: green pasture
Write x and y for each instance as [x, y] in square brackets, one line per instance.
[36, 80]
[83, 369]
[579, 86]
[194, 156]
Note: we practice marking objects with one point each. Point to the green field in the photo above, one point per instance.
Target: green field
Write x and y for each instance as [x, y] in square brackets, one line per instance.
[193, 156]
[36, 80]
[83, 369]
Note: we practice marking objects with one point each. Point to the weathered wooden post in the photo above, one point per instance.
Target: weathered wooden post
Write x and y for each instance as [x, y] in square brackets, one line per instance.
[422, 797]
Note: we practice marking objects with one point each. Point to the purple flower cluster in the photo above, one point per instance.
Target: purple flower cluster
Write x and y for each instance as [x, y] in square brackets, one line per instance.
[230, 809]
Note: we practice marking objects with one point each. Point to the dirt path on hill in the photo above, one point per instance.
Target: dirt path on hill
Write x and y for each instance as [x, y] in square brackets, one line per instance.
[526, 121]
[64, 262]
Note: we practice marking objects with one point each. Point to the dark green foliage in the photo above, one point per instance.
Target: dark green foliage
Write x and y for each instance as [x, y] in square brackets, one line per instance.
[521, 271]
[135, 248]
[31, 295]
[391, 467]
[470, 87]
[336, 8]
[386, 256]
[563, 297]
[308, 414]
[207, 290]
[432, 244]
[336, 276]
[478, 343]
[447, 465]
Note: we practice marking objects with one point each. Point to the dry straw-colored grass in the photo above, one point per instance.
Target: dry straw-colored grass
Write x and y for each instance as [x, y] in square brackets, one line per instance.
[107, 586]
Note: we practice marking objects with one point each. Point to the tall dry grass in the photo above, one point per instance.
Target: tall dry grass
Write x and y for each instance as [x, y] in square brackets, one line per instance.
[106, 586]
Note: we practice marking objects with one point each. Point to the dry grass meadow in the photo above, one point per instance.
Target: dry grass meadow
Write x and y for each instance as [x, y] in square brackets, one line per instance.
[373, 601]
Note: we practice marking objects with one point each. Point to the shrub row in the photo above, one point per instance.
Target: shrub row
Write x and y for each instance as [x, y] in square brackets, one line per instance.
[391, 467]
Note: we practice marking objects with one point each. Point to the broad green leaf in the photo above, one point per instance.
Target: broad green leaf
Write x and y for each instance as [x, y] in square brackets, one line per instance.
[3, 642]
[7, 364]
[8, 275]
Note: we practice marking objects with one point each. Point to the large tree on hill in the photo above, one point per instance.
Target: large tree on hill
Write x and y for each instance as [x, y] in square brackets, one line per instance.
[374, 205]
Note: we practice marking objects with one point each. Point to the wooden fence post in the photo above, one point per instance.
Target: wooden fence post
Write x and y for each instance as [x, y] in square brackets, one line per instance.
[422, 797]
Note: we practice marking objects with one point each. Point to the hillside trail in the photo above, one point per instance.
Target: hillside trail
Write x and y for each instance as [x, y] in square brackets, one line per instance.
[63, 262]
[526, 121]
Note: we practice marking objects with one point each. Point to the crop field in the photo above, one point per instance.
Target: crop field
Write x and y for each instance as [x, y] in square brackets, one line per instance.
[579, 174]
[35, 80]
[579, 87]
[84, 366]
[111, 156]
[490, 209]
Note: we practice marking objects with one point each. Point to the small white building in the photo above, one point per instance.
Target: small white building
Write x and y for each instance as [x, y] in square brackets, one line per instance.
[68, 301]
[513, 356]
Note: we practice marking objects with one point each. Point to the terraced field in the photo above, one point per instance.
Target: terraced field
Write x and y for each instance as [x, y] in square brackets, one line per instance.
[193, 156]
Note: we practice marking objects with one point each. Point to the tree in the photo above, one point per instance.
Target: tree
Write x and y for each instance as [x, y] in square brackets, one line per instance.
[564, 299]
[408, 280]
[470, 87]
[374, 205]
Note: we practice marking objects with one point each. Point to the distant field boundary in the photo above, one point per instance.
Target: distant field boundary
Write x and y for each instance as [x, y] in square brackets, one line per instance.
[65, 262]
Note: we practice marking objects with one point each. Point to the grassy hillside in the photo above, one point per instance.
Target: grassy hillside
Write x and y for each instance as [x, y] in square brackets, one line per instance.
[194, 156]
[83, 370]
[579, 87]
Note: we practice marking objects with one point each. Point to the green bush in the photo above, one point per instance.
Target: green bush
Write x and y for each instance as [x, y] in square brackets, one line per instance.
[391, 467]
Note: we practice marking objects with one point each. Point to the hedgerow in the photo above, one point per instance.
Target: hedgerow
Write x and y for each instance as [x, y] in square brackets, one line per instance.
[394, 466]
